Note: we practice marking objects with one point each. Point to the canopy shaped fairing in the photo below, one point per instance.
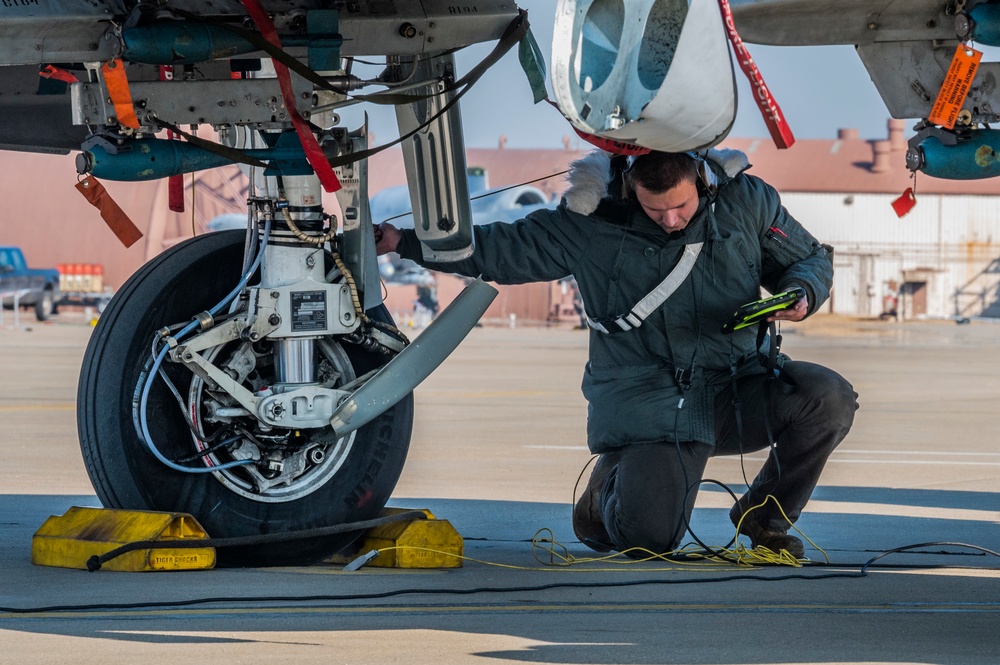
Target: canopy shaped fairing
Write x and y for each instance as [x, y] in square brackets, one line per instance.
[652, 73]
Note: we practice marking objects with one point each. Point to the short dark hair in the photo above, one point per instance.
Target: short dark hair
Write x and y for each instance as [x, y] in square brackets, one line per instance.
[661, 171]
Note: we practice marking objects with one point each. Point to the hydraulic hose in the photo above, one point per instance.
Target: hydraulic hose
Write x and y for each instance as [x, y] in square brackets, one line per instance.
[184, 332]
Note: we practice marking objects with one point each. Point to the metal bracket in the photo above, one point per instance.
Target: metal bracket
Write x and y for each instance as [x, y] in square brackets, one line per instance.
[209, 372]
[184, 102]
[302, 408]
[359, 240]
[915, 155]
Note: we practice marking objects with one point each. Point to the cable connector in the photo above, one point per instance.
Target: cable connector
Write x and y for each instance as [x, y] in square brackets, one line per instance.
[361, 561]
[164, 336]
[204, 321]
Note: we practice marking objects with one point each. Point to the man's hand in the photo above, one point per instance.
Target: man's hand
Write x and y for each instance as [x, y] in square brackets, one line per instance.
[796, 313]
[387, 238]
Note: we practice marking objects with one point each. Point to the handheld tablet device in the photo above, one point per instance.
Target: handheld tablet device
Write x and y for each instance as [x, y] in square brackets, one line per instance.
[752, 312]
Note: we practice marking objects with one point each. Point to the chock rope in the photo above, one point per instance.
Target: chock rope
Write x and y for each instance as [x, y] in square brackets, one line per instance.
[95, 562]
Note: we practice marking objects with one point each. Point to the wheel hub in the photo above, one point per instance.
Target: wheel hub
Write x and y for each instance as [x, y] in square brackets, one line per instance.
[288, 462]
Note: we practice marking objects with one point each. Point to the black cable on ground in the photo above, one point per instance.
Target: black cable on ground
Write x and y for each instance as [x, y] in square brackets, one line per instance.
[904, 548]
[861, 572]
[687, 526]
[95, 562]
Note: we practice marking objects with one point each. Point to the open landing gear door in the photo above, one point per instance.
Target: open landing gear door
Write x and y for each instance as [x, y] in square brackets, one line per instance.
[435, 168]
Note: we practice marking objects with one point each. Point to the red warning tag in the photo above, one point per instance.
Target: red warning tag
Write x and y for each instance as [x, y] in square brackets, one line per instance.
[116, 218]
[53, 72]
[781, 132]
[175, 193]
[956, 86]
[311, 147]
[905, 203]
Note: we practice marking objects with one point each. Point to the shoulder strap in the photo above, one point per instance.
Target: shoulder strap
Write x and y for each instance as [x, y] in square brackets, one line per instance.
[634, 318]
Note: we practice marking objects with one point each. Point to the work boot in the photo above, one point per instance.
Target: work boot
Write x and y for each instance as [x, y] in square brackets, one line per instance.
[762, 537]
[587, 522]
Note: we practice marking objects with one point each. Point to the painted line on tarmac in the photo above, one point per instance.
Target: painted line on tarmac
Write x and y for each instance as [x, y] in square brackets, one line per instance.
[849, 451]
[556, 447]
[69, 406]
[569, 608]
[835, 459]
[908, 461]
[828, 507]
[477, 394]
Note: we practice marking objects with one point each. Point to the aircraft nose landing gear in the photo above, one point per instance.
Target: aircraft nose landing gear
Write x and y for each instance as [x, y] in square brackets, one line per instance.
[285, 478]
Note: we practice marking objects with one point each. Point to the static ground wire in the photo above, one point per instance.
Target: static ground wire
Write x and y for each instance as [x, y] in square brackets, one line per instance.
[725, 554]
[492, 192]
[860, 573]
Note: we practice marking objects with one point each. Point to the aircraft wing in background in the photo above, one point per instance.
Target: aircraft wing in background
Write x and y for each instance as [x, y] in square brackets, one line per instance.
[907, 48]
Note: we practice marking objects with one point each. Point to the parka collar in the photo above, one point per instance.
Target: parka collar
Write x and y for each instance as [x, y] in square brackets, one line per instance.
[598, 175]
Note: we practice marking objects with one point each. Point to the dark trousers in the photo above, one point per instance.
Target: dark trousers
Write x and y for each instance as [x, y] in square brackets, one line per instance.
[643, 497]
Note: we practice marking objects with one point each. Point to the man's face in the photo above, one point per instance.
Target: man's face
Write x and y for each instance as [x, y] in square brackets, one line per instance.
[673, 209]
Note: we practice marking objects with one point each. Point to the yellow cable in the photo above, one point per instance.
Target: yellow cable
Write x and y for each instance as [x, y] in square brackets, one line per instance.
[193, 231]
[765, 553]
[554, 556]
[544, 568]
[738, 555]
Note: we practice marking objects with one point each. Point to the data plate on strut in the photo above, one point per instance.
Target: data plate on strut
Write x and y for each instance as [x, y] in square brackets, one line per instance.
[305, 309]
[309, 311]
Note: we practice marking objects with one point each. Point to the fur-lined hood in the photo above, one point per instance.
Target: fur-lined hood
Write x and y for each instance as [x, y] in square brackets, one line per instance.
[590, 177]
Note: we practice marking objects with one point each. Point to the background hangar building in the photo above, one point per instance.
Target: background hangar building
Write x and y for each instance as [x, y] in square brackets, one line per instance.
[940, 260]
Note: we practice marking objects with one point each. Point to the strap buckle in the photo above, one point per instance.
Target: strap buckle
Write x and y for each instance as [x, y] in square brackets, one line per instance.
[683, 377]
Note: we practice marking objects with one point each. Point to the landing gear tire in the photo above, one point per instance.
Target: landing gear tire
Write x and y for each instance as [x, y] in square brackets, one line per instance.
[353, 477]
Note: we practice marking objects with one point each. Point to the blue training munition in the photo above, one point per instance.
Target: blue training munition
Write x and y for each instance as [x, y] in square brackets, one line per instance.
[971, 159]
[182, 43]
[985, 24]
[151, 159]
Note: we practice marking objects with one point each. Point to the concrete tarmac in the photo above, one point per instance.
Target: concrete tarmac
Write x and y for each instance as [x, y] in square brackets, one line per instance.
[499, 441]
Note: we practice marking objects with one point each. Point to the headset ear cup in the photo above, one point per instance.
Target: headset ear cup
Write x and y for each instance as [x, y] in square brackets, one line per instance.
[707, 175]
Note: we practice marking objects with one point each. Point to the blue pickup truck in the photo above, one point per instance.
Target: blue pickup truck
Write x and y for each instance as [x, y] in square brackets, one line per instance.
[26, 287]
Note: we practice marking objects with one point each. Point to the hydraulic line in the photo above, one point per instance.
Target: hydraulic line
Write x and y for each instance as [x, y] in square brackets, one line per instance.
[184, 332]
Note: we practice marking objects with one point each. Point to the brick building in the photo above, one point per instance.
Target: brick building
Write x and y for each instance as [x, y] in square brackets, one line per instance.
[942, 259]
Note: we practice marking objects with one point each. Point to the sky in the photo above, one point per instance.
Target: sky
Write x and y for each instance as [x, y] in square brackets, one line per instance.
[820, 90]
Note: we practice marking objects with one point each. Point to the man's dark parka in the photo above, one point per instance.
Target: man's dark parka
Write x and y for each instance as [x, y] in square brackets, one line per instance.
[618, 255]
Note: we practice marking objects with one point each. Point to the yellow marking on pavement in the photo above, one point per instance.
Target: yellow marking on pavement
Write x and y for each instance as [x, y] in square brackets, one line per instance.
[983, 573]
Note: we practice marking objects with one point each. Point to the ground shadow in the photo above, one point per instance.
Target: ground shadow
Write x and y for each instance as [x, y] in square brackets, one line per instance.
[640, 615]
